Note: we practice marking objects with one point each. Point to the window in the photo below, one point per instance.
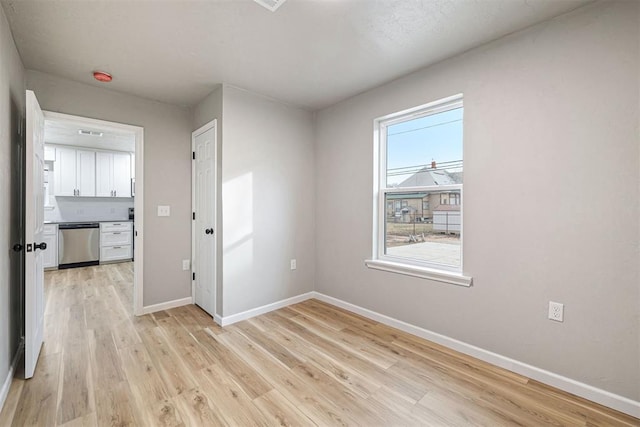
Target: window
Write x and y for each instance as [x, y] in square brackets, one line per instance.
[449, 198]
[419, 161]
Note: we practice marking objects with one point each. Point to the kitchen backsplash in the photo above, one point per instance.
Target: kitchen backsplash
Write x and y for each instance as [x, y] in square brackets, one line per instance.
[71, 209]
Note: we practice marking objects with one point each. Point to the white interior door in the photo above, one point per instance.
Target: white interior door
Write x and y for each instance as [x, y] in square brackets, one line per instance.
[34, 228]
[204, 204]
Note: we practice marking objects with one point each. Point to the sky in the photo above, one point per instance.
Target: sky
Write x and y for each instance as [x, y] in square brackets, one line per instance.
[419, 141]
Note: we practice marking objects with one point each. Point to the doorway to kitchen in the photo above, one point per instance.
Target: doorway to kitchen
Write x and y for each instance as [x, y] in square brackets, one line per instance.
[94, 199]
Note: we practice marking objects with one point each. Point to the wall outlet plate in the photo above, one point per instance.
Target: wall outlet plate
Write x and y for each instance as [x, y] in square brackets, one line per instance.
[294, 264]
[556, 311]
[186, 264]
[164, 210]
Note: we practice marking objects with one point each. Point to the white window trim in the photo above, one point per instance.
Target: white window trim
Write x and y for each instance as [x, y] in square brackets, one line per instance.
[380, 260]
[419, 271]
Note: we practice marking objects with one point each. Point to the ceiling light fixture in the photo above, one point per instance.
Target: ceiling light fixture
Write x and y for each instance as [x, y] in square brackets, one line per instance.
[272, 5]
[101, 76]
[89, 132]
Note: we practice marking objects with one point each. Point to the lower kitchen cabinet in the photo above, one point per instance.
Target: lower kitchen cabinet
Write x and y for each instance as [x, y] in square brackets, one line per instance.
[116, 240]
[50, 255]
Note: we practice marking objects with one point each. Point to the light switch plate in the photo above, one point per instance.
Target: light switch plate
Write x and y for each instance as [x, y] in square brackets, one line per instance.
[164, 210]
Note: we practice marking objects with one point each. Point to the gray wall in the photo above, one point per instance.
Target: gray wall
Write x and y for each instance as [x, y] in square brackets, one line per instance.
[12, 104]
[167, 173]
[550, 198]
[268, 200]
[267, 188]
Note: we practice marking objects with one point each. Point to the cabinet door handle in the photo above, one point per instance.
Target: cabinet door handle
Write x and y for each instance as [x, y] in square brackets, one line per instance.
[115, 193]
[117, 247]
[117, 232]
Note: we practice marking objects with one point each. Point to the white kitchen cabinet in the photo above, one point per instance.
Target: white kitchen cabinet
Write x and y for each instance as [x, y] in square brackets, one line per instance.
[116, 241]
[50, 255]
[113, 174]
[49, 153]
[74, 172]
[104, 173]
[122, 174]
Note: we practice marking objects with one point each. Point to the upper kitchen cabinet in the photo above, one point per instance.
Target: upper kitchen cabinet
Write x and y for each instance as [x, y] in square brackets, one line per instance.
[113, 174]
[49, 153]
[75, 172]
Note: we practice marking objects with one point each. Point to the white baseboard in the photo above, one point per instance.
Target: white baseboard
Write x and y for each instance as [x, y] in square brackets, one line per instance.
[228, 320]
[603, 397]
[4, 392]
[167, 305]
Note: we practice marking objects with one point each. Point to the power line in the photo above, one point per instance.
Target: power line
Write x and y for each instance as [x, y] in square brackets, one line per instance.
[440, 165]
[425, 127]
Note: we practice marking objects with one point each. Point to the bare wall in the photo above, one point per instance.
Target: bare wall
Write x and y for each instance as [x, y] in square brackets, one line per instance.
[12, 105]
[167, 174]
[267, 201]
[551, 198]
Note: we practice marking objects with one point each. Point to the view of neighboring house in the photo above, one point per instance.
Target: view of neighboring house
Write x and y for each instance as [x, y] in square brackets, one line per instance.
[442, 208]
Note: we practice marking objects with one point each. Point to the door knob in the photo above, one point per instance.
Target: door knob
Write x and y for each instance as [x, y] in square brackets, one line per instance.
[209, 231]
[18, 247]
[42, 246]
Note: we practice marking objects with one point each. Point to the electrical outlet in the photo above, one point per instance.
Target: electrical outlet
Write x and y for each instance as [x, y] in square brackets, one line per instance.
[293, 264]
[164, 210]
[186, 264]
[556, 311]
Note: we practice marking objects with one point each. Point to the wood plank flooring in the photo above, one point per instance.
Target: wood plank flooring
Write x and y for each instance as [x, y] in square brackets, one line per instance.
[308, 364]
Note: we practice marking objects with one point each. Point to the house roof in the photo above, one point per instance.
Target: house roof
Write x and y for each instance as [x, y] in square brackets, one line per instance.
[428, 176]
[398, 196]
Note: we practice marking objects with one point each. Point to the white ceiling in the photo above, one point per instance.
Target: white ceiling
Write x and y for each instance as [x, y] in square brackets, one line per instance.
[310, 53]
[65, 132]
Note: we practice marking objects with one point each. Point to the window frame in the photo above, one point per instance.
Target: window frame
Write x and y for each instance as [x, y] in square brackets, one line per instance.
[404, 265]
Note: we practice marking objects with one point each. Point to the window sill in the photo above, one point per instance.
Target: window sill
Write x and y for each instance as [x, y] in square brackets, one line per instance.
[422, 272]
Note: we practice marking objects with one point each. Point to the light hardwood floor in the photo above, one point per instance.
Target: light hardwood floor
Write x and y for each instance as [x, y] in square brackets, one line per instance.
[308, 364]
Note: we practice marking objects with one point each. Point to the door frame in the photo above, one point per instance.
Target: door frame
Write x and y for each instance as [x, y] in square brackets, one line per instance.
[213, 124]
[138, 263]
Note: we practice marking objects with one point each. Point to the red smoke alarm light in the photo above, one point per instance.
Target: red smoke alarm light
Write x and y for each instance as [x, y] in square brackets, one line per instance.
[101, 76]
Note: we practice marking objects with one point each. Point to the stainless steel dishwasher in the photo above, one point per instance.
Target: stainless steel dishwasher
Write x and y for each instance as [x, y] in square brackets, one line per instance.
[78, 244]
